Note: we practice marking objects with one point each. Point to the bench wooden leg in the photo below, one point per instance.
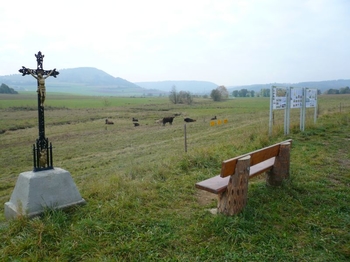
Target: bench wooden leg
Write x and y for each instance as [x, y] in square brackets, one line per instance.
[280, 170]
[234, 198]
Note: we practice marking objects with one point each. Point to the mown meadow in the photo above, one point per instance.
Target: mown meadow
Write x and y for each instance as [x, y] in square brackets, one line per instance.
[138, 182]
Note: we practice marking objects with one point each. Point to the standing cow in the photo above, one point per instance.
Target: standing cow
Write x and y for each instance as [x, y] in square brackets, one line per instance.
[168, 120]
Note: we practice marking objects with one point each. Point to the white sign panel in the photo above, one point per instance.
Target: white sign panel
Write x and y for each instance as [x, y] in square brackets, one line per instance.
[296, 97]
[279, 97]
[311, 97]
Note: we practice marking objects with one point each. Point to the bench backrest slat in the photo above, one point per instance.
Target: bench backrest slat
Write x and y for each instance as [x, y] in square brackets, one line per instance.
[228, 166]
[264, 154]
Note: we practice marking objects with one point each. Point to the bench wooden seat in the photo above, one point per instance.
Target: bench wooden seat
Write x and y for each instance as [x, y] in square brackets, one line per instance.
[274, 158]
[218, 184]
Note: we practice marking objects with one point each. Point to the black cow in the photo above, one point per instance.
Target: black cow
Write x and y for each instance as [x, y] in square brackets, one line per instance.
[135, 119]
[214, 118]
[109, 122]
[168, 120]
[188, 120]
[136, 124]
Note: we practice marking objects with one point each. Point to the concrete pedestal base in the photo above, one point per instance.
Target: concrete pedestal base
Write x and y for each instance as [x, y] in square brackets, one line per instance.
[35, 191]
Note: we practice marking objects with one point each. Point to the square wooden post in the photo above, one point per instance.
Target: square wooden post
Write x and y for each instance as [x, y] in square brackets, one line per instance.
[234, 198]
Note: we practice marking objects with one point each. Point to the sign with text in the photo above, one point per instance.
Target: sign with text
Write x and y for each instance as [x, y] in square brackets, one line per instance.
[311, 97]
[296, 97]
[279, 97]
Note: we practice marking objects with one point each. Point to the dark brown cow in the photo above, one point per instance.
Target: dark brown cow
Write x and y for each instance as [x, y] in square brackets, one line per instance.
[109, 122]
[188, 120]
[168, 120]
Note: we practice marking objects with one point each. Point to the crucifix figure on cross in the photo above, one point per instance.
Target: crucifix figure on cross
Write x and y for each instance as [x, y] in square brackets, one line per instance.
[41, 83]
[42, 150]
[40, 75]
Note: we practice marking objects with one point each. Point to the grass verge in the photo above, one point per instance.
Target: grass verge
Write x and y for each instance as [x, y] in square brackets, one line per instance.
[146, 208]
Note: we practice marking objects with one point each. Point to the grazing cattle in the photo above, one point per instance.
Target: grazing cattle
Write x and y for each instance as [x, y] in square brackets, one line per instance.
[214, 118]
[168, 120]
[135, 119]
[109, 122]
[136, 124]
[188, 120]
[159, 121]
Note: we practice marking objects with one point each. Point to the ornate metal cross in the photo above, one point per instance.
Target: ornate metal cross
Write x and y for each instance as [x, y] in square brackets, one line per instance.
[42, 150]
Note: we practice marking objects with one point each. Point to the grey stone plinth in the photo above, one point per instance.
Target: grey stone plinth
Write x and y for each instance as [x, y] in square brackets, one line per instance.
[35, 191]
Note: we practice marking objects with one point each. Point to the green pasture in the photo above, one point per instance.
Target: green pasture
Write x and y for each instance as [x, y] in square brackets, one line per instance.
[138, 182]
[74, 101]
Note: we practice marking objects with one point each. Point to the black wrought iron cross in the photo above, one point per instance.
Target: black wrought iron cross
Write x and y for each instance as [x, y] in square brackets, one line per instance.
[42, 150]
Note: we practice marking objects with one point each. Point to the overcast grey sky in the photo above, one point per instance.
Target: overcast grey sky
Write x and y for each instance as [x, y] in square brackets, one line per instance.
[228, 42]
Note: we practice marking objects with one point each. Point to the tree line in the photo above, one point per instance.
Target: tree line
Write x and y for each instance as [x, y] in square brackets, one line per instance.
[221, 93]
[185, 97]
[343, 90]
[218, 94]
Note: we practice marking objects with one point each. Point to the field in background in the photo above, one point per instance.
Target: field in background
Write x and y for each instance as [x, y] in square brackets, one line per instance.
[139, 181]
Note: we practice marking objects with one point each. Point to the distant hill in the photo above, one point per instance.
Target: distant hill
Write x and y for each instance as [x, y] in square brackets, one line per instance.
[196, 87]
[92, 77]
[82, 80]
[93, 81]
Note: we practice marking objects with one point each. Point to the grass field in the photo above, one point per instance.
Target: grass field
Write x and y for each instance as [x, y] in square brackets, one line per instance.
[139, 181]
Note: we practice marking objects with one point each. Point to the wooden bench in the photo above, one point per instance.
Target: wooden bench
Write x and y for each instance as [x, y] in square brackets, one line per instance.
[231, 185]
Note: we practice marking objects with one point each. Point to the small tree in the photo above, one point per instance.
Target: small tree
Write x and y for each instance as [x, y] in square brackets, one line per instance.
[219, 94]
[174, 97]
[243, 92]
[185, 97]
[223, 91]
[215, 95]
[181, 97]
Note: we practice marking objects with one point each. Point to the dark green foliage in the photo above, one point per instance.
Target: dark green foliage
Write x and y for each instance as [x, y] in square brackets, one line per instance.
[219, 94]
[216, 95]
[4, 89]
[244, 93]
[342, 90]
[333, 91]
[345, 90]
